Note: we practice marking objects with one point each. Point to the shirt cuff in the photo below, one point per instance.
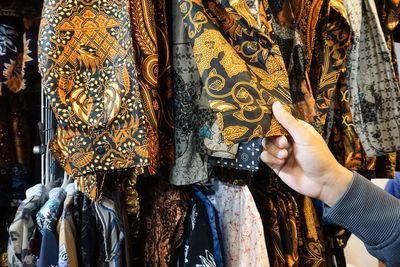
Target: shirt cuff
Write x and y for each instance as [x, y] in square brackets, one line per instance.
[366, 210]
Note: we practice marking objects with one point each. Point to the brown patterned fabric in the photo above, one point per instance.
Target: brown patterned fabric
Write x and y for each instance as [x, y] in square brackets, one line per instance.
[389, 15]
[240, 65]
[153, 65]
[307, 15]
[312, 250]
[336, 38]
[288, 37]
[293, 233]
[88, 73]
[163, 210]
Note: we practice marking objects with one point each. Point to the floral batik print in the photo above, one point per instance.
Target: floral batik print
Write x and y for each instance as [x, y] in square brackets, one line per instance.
[241, 67]
[189, 166]
[88, 73]
[11, 59]
[149, 22]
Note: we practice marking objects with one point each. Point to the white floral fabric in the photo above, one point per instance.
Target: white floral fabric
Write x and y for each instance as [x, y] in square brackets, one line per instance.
[241, 226]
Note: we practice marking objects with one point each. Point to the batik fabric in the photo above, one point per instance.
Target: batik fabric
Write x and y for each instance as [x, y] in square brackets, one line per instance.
[112, 232]
[202, 245]
[189, 166]
[373, 98]
[149, 24]
[88, 73]
[22, 229]
[46, 219]
[241, 67]
[164, 209]
[66, 229]
[241, 226]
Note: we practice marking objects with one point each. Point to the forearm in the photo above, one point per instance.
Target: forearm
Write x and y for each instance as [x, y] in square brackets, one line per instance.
[371, 214]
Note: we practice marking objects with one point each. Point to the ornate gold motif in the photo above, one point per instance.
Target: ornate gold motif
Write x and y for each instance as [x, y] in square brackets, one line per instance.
[241, 67]
[88, 74]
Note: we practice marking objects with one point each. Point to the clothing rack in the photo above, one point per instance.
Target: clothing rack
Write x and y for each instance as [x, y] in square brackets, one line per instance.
[50, 169]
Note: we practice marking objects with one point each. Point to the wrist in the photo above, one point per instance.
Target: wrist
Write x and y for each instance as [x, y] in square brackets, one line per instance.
[338, 180]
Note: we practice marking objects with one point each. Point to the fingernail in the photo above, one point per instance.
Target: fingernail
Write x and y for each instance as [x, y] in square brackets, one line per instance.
[280, 154]
[278, 104]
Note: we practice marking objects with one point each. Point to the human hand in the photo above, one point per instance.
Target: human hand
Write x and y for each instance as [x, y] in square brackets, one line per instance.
[303, 161]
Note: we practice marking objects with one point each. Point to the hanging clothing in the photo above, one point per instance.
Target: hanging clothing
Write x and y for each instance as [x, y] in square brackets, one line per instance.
[336, 43]
[88, 73]
[281, 220]
[66, 229]
[241, 226]
[89, 235]
[113, 235]
[189, 166]
[241, 67]
[164, 209]
[203, 241]
[46, 219]
[22, 230]
[150, 33]
[11, 57]
[345, 143]
[373, 97]
[294, 52]
[247, 158]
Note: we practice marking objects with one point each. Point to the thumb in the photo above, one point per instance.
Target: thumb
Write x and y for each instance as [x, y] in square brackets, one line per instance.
[290, 123]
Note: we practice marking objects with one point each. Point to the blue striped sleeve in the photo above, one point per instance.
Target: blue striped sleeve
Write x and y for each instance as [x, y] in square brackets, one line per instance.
[372, 215]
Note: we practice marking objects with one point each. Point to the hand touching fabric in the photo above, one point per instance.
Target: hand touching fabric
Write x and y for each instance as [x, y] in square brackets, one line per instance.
[303, 160]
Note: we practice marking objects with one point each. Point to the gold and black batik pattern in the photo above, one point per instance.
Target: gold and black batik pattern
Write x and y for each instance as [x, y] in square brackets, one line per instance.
[88, 74]
[240, 65]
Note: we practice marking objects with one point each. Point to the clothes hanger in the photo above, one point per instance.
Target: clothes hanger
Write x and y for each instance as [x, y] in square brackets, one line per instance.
[66, 180]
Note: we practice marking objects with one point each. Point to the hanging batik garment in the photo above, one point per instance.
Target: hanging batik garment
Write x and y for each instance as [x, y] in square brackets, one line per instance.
[189, 166]
[164, 209]
[374, 91]
[202, 245]
[241, 226]
[88, 72]
[66, 230]
[289, 28]
[22, 241]
[240, 65]
[149, 23]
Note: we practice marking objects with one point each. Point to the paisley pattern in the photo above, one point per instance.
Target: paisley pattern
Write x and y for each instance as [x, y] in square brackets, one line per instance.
[154, 72]
[88, 74]
[241, 68]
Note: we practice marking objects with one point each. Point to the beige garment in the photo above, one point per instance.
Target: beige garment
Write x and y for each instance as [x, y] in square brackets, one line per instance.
[241, 226]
